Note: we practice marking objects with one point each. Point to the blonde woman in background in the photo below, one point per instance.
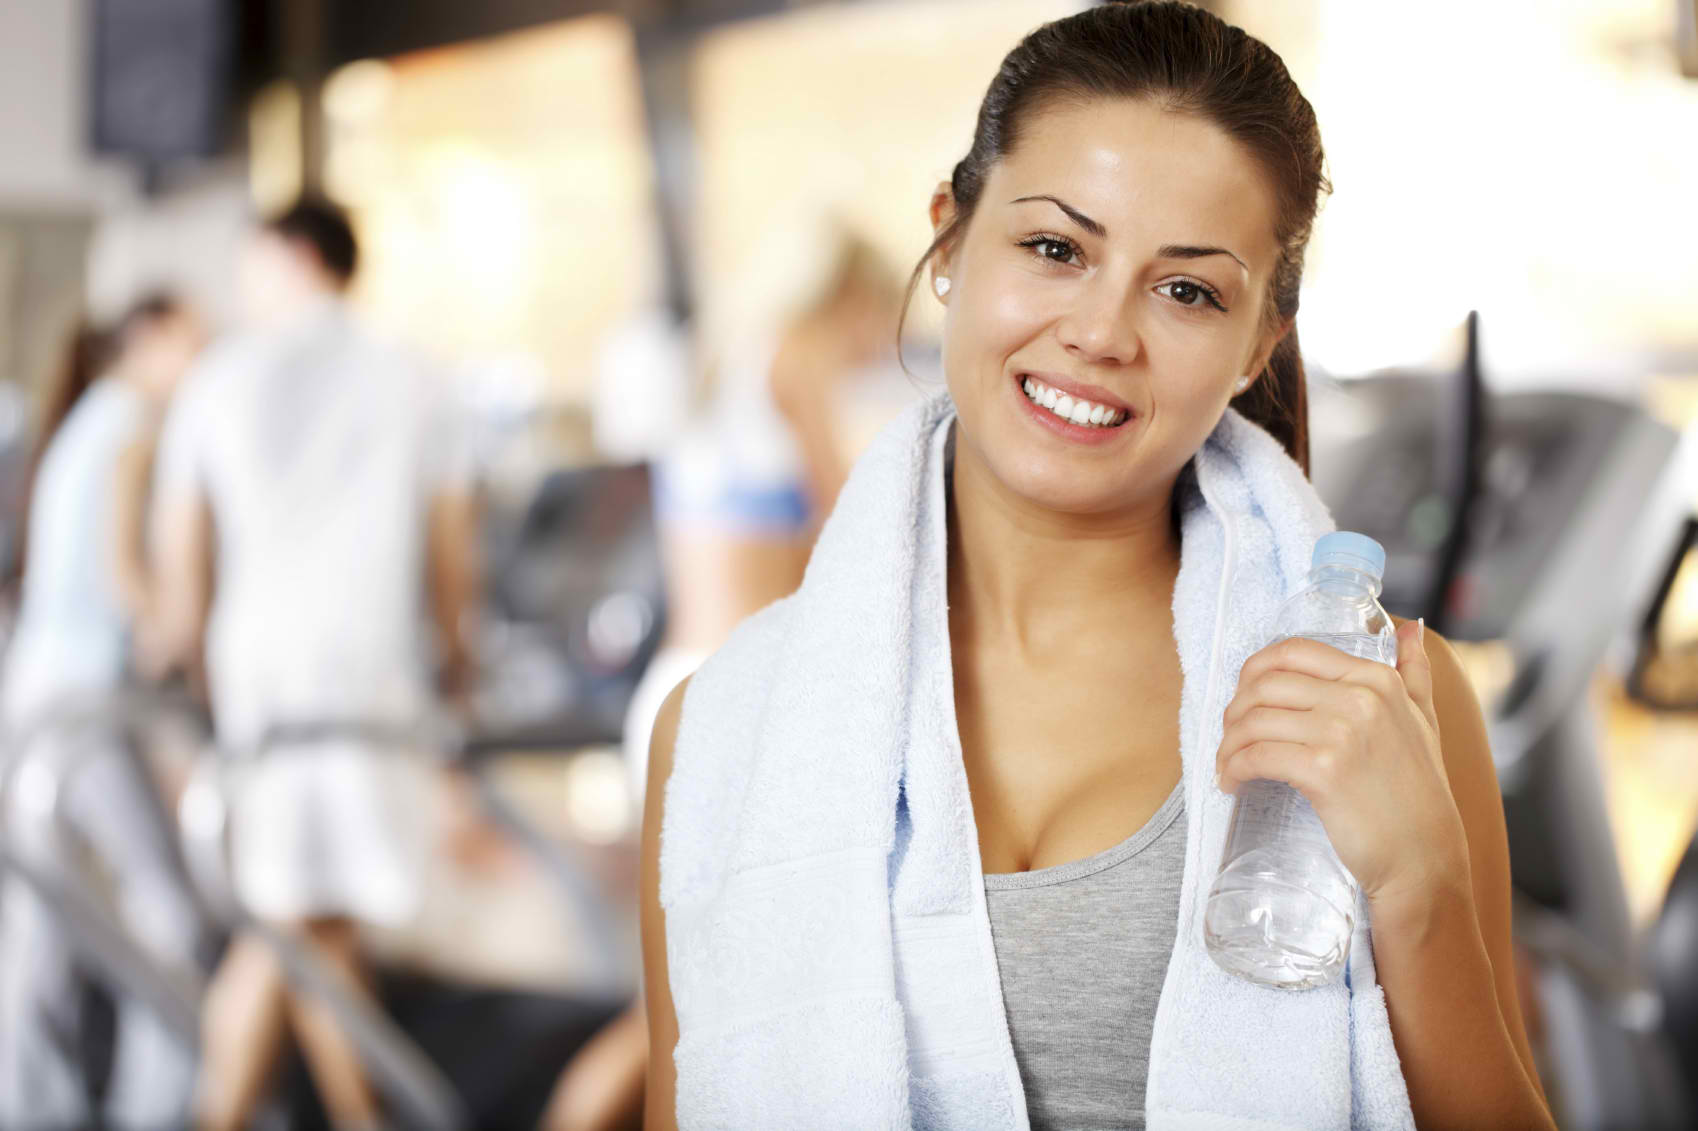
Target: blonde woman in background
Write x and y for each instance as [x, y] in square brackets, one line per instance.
[740, 497]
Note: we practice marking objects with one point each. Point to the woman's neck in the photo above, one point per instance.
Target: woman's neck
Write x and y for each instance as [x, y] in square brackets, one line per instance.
[1032, 579]
[133, 379]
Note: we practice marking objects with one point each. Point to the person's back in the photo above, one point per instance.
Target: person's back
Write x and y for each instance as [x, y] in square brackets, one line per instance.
[317, 449]
[72, 624]
[315, 470]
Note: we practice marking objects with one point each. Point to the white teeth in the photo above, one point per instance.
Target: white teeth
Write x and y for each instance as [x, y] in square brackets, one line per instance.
[1068, 408]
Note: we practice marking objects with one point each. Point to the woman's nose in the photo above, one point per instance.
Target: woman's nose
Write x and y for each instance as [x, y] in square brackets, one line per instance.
[1100, 326]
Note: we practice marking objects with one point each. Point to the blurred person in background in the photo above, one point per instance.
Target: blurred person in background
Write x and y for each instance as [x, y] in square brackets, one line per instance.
[320, 474]
[85, 594]
[740, 497]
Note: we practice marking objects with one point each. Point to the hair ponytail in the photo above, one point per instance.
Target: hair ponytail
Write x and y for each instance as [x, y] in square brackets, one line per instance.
[1278, 400]
[84, 356]
[81, 361]
[89, 350]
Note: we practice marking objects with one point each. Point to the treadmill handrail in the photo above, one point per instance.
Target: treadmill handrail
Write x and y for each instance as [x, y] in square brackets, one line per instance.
[469, 753]
[397, 1065]
[96, 931]
[399, 1069]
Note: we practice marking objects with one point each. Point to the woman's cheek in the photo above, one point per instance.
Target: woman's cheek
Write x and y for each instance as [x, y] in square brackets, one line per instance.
[1017, 310]
[1180, 412]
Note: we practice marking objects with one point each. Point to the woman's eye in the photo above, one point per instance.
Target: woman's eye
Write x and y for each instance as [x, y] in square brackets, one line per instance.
[1186, 293]
[1048, 247]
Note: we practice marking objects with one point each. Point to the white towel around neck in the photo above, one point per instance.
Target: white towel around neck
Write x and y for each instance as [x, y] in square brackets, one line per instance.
[828, 948]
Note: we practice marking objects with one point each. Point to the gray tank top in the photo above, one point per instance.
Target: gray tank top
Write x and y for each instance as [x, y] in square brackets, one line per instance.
[1082, 950]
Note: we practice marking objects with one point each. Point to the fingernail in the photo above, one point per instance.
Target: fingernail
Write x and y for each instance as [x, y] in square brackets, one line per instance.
[1421, 630]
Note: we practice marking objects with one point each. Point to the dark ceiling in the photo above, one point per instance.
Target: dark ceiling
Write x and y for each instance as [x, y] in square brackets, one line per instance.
[277, 33]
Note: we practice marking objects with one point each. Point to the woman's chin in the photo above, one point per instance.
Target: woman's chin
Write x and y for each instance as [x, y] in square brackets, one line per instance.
[1062, 486]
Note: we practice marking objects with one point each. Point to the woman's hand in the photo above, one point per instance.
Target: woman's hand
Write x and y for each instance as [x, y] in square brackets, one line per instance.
[1360, 741]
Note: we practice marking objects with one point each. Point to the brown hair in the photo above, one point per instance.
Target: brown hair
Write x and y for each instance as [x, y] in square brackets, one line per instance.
[89, 349]
[316, 223]
[1188, 61]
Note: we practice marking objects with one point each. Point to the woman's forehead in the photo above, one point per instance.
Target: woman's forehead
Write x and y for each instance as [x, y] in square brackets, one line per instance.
[1142, 173]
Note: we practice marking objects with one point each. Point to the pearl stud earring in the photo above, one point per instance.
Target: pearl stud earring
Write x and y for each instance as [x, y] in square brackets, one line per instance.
[1242, 384]
[941, 286]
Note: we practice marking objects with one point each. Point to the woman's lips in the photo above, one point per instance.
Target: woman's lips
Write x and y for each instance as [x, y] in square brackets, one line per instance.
[1088, 434]
[1078, 390]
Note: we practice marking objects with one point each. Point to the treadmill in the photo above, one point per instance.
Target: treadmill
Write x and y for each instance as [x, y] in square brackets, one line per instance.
[575, 589]
[1541, 521]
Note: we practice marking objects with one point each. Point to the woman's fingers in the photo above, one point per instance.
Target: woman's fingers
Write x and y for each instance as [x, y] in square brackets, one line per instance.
[1277, 688]
[1294, 763]
[1262, 723]
[1320, 661]
[1415, 669]
[1306, 674]
[1310, 745]
[1301, 712]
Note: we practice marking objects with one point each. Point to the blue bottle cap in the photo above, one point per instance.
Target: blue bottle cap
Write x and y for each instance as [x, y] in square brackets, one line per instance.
[1348, 548]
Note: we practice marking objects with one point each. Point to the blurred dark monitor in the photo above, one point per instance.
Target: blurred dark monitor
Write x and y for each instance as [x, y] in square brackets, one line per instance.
[575, 582]
[1665, 666]
[1398, 457]
[160, 77]
[1549, 458]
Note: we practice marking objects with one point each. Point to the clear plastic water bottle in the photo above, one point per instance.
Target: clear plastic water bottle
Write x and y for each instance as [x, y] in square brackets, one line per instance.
[1282, 908]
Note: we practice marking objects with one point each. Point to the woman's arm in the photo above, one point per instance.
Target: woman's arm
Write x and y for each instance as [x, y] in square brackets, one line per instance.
[452, 582]
[127, 540]
[184, 554]
[806, 373]
[602, 1086]
[1446, 961]
[659, 1107]
[1419, 823]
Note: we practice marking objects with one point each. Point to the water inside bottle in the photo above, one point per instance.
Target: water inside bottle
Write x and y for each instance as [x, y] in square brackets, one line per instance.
[1281, 916]
[1382, 649]
[1282, 911]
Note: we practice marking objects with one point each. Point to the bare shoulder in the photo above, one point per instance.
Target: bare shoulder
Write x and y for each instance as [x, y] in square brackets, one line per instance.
[662, 1018]
[662, 741]
[1462, 723]
[665, 734]
[1465, 745]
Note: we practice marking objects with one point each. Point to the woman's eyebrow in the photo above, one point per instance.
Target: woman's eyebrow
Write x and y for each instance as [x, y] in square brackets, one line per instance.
[1073, 213]
[1186, 251]
[1166, 251]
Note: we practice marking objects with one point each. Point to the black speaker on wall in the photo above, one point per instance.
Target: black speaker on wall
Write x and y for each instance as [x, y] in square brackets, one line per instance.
[161, 77]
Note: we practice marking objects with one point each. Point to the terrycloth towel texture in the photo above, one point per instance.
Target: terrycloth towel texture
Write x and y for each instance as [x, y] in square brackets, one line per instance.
[829, 952]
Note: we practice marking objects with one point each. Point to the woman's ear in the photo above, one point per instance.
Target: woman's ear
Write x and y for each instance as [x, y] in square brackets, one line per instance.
[942, 213]
[942, 209]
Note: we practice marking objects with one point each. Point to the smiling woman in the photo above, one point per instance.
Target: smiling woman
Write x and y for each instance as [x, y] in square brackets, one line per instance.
[936, 827]
[1151, 301]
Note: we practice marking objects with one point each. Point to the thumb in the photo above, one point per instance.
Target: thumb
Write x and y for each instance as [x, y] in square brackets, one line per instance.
[1414, 667]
